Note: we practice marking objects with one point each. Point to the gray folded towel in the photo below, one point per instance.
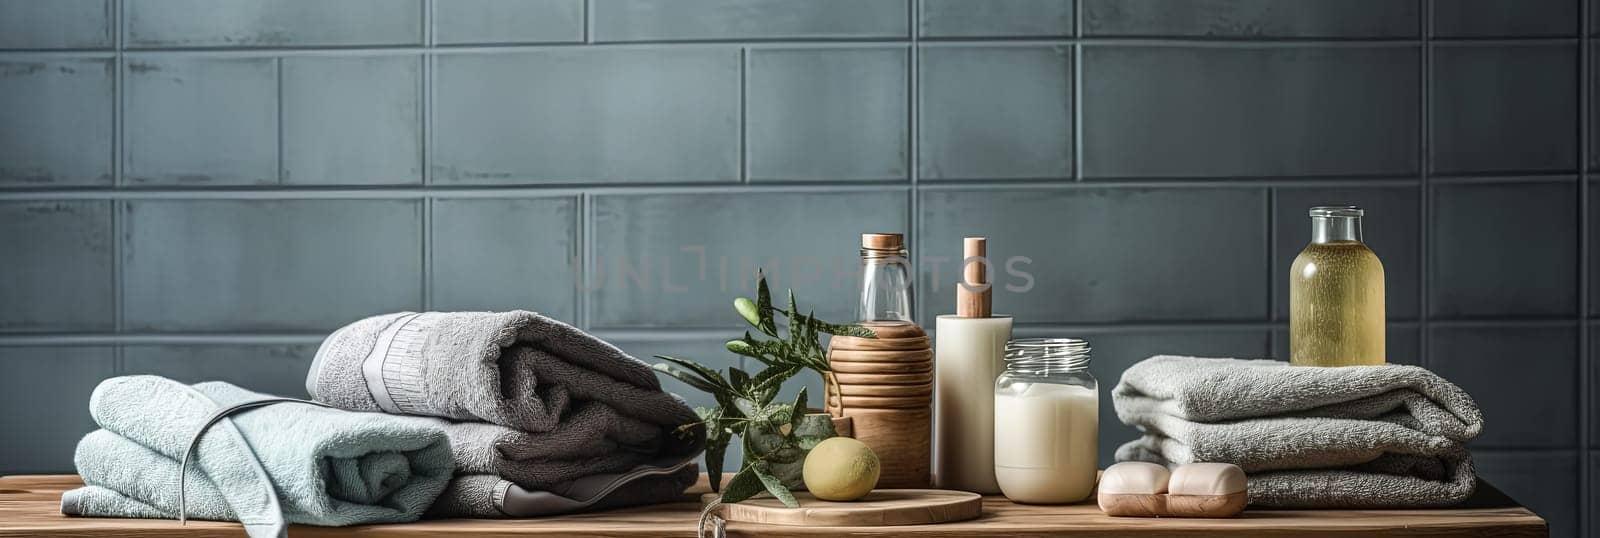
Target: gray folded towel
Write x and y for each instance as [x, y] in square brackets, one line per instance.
[1366, 436]
[282, 463]
[545, 404]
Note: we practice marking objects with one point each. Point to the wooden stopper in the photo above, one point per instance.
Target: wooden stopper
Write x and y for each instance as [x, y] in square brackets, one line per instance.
[883, 241]
[970, 301]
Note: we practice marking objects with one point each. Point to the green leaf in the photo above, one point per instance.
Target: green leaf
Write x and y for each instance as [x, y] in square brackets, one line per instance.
[799, 408]
[748, 408]
[776, 488]
[744, 485]
[764, 306]
[712, 377]
[761, 440]
[689, 378]
[715, 451]
[741, 347]
[747, 310]
[739, 379]
[858, 331]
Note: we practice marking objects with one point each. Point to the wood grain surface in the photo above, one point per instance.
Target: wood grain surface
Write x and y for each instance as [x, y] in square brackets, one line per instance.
[30, 506]
[879, 508]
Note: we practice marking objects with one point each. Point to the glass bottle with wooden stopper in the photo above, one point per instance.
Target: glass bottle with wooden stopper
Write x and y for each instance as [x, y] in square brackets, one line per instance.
[1336, 311]
[885, 384]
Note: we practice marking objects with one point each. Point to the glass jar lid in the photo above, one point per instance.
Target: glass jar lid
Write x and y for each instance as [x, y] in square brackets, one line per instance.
[1047, 354]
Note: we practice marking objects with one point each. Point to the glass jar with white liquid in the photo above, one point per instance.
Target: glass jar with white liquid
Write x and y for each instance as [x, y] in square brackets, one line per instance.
[1046, 422]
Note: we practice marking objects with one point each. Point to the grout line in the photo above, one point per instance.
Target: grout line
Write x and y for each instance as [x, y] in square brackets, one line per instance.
[277, 65]
[118, 297]
[588, 21]
[1077, 91]
[1272, 246]
[914, 222]
[744, 115]
[588, 266]
[1586, 371]
[1425, 199]
[425, 91]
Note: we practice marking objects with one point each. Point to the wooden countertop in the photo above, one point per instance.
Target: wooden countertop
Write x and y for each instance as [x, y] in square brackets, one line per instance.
[30, 506]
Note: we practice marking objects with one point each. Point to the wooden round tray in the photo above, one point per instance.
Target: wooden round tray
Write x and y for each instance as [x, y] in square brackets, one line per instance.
[879, 508]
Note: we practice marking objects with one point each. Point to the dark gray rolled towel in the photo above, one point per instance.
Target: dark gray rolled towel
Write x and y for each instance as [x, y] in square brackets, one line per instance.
[517, 369]
[530, 404]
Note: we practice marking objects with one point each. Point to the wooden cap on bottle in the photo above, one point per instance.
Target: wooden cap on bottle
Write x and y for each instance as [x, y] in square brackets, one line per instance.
[883, 241]
[973, 293]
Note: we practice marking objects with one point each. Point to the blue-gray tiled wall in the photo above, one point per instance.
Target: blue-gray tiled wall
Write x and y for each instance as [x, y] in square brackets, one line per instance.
[202, 188]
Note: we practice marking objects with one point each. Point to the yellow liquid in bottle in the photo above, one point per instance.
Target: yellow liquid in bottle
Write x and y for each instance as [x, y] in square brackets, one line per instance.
[1336, 311]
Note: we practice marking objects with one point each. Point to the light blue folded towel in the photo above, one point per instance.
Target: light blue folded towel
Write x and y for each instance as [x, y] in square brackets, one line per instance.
[285, 462]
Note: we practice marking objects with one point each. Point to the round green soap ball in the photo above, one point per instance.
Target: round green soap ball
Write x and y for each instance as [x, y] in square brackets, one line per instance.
[840, 469]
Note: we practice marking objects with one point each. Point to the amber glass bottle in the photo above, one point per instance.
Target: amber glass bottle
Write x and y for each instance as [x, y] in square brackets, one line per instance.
[1336, 311]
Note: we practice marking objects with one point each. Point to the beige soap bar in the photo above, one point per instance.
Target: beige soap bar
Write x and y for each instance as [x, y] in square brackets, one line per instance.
[1194, 490]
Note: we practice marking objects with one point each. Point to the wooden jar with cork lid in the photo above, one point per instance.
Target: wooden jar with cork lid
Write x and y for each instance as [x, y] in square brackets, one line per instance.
[885, 384]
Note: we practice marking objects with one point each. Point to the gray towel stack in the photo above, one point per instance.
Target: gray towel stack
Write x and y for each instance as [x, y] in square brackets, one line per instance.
[1362, 436]
[542, 417]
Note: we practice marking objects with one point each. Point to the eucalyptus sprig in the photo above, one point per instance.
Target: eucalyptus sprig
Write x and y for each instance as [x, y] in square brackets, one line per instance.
[775, 436]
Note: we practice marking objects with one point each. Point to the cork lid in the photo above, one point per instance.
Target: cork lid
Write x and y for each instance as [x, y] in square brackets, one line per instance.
[883, 241]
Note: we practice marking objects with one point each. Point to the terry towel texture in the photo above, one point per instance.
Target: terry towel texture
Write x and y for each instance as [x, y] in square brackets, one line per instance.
[288, 461]
[532, 402]
[1365, 436]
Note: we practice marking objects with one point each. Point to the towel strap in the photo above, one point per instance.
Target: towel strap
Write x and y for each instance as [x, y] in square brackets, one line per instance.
[194, 442]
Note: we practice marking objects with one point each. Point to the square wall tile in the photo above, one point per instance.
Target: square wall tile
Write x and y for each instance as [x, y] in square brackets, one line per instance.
[828, 114]
[692, 20]
[352, 120]
[1391, 227]
[705, 351]
[1338, 19]
[1114, 351]
[1205, 112]
[57, 276]
[1498, 365]
[593, 115]
[506, 254]
[1102, 255]
[1505, 108]
[276, 369]
[1545, 482]
[997, 18]
[1402, 344]
[679, 260]
[268, 265]
[272, 23]
[1493, 18]
[996, 112]
[55, 122]
[1507, 249]
[55, 24]
[200, 121]
[45, 391]
[459, 22]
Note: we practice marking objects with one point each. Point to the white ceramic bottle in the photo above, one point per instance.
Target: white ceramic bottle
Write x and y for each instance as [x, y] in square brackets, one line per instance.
[969, 353]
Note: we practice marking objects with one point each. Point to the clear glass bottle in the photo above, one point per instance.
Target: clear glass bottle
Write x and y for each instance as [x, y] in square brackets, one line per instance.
[1046, 422]
[885, 279]
[1336, 311]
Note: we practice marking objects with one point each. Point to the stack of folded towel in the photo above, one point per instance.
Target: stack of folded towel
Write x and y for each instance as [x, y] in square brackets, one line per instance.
[289, 462]
[542, 417]
[1363, 436]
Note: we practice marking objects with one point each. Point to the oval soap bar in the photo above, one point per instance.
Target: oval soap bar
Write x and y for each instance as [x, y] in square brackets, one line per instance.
[1134, 478]
[1206, 479]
